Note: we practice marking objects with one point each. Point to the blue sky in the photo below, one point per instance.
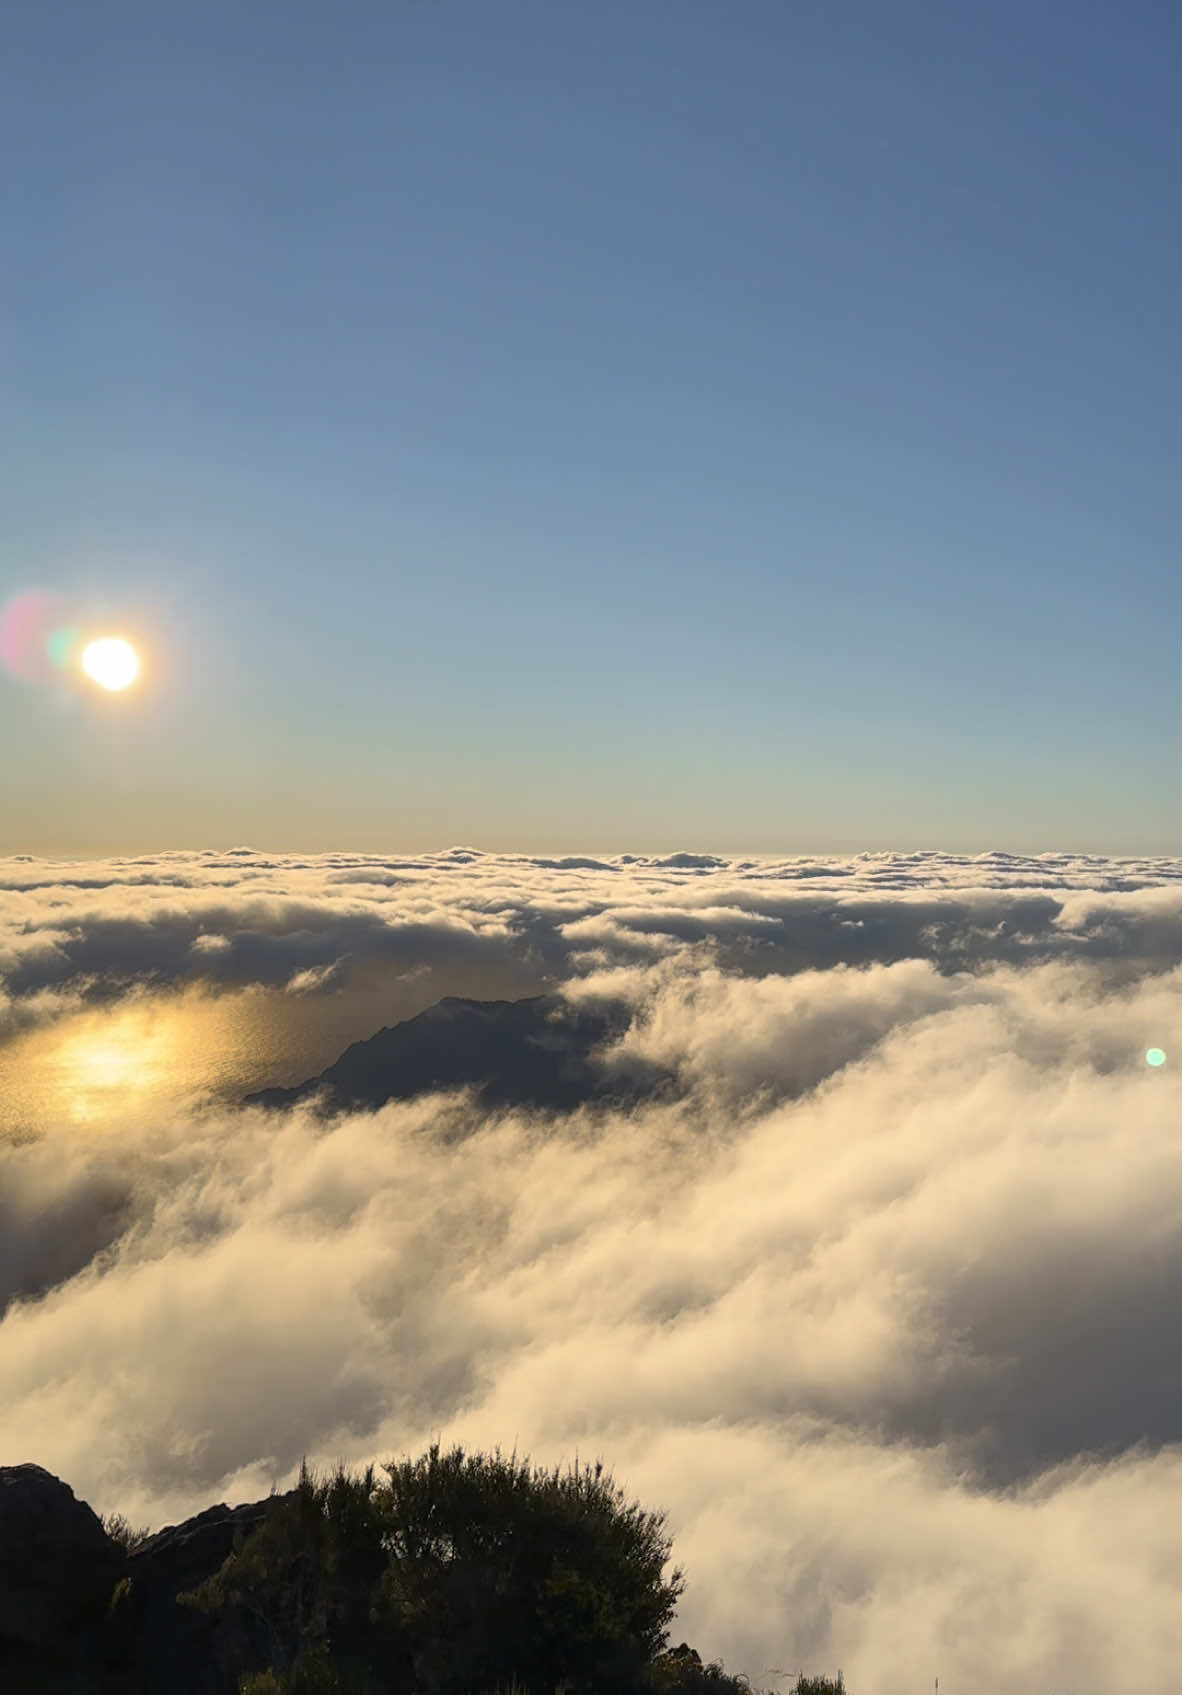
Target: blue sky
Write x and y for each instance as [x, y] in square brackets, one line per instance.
[552, 426]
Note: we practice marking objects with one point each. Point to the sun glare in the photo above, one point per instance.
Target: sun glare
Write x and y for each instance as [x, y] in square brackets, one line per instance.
[111, 662]
[104, 1063]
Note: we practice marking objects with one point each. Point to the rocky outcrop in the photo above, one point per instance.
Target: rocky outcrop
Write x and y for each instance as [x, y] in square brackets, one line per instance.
[58, 1568]
[170, 1646]
[79, 1616]
[544, 1052]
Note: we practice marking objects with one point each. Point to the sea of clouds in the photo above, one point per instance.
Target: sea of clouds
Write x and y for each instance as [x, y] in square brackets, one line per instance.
[881, 1310]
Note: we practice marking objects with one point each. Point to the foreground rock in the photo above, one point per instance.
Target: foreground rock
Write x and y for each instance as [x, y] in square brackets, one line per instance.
[58, 1568]
[162, 1645]
[79, 1616]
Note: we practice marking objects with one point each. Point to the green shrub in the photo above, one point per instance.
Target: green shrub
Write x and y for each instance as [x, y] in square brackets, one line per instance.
[121, 1532]
[498, 1573]
[452, 1575]
[262, 1683]
[306, 1574]
[681, 1672]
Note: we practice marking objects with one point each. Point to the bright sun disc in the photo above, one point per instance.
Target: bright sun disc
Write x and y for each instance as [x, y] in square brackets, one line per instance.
[111, 662]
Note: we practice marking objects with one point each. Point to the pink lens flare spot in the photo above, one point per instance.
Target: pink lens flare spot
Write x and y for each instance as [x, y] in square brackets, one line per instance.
[27, 624]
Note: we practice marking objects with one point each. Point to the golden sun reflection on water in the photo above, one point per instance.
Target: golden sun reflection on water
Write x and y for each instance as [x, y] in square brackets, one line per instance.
[152, 1055]
[130, 1061]
[126, 1057]
[141, 1059]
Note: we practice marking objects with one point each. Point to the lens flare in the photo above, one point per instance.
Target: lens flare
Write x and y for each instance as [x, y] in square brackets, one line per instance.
[50, 639]
[28, 625]
[1155, 1056]
[111, 662]
[61, 643]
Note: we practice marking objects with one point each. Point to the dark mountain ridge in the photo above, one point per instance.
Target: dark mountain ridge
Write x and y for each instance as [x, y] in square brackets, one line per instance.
[543, 1051]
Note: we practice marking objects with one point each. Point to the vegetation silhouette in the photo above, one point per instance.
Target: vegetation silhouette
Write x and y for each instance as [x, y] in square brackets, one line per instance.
[123, 1533]
[460, 1575]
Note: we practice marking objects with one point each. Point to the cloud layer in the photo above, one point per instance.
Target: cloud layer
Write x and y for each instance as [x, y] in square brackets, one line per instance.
[880, 1311]
[90, 930]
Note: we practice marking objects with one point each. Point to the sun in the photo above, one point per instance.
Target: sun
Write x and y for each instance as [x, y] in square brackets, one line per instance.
[111, 662]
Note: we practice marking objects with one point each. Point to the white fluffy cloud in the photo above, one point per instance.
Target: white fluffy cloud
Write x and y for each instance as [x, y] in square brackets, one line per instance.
[881, 1312]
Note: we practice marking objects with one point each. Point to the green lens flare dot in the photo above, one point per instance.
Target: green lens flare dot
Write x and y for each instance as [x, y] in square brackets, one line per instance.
[1155, 1056]
[61, 644]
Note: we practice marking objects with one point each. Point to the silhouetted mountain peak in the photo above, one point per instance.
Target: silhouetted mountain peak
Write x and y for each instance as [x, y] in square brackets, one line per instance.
[541, 1051]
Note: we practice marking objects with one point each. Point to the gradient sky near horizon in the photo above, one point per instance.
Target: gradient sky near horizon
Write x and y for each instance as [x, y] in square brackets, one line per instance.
[746, 427]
